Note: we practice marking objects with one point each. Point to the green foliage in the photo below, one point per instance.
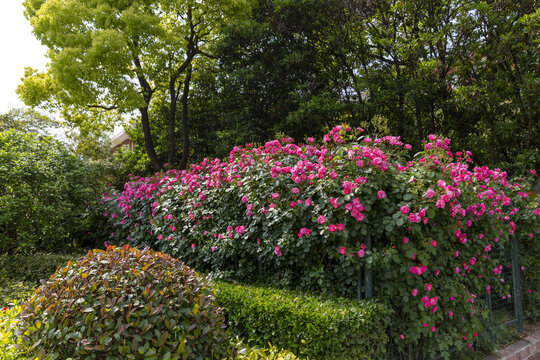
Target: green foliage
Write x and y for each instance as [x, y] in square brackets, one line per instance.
[124, 303]
[12, 292]
[529, 246]
[315, 217]
[31, 268]
[8, 326]
[45, 192]
[309, 326]
[468, 70]
[109, 59]
[244, 352]
[27, 120]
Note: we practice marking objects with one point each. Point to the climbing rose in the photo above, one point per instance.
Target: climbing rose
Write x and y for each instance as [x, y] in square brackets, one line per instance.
[381, 194]
[277, 250]
[321, 219]
[342, 250]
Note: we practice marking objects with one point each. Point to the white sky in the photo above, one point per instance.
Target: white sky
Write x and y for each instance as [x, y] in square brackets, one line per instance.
[19, 49]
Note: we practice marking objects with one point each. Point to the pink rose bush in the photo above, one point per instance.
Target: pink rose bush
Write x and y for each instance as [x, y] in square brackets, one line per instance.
[300, 213]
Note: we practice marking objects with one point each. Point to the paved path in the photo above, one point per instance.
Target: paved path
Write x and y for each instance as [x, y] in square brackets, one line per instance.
[526, 349]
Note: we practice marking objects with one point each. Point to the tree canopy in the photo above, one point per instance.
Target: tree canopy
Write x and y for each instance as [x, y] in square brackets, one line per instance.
[250, 70]
[109, 59]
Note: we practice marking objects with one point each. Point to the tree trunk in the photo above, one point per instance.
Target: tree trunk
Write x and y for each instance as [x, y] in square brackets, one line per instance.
[185, 120]
[491, 119]
[171, 154]
[401, 103]
[148, 143]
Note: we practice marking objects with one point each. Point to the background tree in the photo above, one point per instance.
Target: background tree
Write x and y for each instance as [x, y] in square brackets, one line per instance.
[27, 120]
[45, 194]
[108, 59]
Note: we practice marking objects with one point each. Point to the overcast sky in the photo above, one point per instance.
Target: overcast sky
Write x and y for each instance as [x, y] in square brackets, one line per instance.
[18, 49]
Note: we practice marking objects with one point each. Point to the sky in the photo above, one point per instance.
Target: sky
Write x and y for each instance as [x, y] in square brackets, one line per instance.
[19, 49]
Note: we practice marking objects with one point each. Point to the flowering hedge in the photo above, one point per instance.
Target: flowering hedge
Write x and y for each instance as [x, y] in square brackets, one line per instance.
[299, 214]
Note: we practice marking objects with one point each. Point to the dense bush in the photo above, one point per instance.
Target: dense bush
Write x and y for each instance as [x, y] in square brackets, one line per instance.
[300, 215]
[45, 192]
[15, 292]
[31, 268]
[123, 303]
[308, 326]
[8, 326]
[244, 352]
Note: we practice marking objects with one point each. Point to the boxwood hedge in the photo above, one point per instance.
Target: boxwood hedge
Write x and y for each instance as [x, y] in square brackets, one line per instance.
[309, 326]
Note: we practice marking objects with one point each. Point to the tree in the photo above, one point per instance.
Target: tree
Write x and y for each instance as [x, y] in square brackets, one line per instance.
[45, 194]
[27, 120]
[111, 58]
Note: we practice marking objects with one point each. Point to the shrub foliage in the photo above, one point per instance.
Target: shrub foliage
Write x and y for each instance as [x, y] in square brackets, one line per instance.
[31, 268]
[124, 303]
[313, 215]
[309, 326]
[45, 192]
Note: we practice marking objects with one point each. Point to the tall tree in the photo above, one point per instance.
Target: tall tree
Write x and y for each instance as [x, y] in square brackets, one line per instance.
[28, 121]
[111, 58]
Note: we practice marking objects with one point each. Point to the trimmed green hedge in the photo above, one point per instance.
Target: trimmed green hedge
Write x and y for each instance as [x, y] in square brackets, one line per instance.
[309, 326]
[31, 268]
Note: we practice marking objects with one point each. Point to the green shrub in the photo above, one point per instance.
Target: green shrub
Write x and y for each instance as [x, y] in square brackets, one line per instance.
[8, 325]
[45, 192]
[31, 268]
[308, 326]
[124, 303]
[311, 216]
[271, 353]
[15, 292]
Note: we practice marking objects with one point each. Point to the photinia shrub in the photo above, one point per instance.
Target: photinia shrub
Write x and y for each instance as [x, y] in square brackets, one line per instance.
[123, 303]
[311, 216]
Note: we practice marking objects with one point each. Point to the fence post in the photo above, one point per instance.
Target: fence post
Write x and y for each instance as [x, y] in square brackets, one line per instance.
[491, 335]
[368, 272]
[516, 273]
[359, 283]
